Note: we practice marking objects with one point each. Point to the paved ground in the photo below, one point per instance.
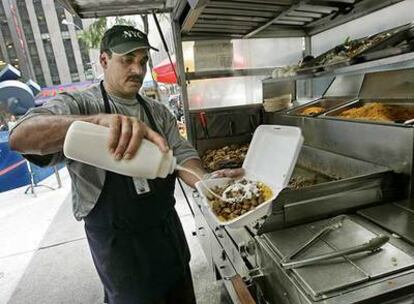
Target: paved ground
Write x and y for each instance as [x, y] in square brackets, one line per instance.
[44, 257]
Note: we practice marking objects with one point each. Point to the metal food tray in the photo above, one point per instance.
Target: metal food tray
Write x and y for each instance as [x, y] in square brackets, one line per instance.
[329, 103]
[303, 177]
[310, 69]
[330, 167]
[334, 113]
[343, 184]
[398, 43]
[338, 280]
[389, 38]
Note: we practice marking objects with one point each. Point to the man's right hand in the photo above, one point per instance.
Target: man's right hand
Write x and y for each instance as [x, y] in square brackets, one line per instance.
[126, 134]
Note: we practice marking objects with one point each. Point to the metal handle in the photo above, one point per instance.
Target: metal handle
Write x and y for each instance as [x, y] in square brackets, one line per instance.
[242, 291]
[231, 127]
[336, 223]
[372, 245]
[376, 243]
[203, 122]
[256, 273]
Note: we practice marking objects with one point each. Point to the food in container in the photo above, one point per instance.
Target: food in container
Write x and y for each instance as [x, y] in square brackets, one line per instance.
[231, 156]
[379, 112]
[350, 50]
[311, 111]
[270, 159]
[240, 196]
[286, 71]
[299, 182]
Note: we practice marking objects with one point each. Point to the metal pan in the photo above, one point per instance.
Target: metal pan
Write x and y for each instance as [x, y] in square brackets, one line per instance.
[327, 103]
[407, 104]
[398, 43]
[339, 184]
[371, 43]
[310, 70]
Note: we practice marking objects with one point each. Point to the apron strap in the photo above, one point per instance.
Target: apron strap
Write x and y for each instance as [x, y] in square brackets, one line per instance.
[151, 119]
[140, 100]
[105, 98]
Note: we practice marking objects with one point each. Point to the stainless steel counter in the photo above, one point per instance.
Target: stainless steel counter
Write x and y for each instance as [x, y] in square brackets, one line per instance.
[359, 169]
[346, 279]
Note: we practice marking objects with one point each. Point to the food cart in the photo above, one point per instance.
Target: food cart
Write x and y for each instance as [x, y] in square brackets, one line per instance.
[342, 231]
[352, 184]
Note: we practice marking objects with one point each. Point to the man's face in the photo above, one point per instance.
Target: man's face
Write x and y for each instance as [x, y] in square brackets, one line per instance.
[124, 74]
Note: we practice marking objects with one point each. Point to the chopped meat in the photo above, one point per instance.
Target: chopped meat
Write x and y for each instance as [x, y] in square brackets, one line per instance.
[301, 182]
[246, 198]
[231, 156]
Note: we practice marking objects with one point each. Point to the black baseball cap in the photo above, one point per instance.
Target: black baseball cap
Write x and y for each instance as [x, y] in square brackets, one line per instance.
[123, 39]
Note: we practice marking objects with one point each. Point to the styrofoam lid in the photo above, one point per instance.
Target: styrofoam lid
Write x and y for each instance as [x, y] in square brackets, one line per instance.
[273, 153]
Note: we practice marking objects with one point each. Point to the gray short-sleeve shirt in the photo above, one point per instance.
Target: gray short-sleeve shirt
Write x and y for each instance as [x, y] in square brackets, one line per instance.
[87, 181]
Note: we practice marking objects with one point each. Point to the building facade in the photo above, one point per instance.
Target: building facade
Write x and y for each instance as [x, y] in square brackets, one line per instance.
[39, 37]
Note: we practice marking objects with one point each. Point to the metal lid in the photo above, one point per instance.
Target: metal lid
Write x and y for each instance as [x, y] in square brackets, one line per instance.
[389, 84]
[345, 85]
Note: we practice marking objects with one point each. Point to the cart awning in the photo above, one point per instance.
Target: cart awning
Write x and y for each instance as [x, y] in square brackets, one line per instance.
[236, 19]
[219, 19]
[102, 8]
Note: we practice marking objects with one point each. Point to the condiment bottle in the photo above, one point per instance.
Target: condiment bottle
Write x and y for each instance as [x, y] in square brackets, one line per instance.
[88, 143]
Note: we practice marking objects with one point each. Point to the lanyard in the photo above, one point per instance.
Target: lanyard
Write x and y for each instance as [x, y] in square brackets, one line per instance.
[140, 100]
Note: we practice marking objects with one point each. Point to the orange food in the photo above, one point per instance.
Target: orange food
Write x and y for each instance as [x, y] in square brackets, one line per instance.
[313, 111]
[379, 112]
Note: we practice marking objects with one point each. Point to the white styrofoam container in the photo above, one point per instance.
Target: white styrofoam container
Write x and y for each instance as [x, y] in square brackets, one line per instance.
[271, 158]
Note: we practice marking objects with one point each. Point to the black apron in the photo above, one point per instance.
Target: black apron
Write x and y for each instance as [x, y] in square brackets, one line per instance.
[137, 242]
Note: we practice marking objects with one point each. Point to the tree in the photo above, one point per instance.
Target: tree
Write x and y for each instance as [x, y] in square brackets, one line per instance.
[93, 34]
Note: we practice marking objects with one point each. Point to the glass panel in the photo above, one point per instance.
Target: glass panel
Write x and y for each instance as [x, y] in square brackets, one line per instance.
[7, 38]
[224, 92]
[40, 14]
[84, 53]
[78, 22]
[52, 62]
[60, 12]
[241, 54]
[2, 59]
[71, 58]
[31, 45]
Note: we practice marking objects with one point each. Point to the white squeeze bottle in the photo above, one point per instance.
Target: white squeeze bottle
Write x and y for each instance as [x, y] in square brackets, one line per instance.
[88, 143]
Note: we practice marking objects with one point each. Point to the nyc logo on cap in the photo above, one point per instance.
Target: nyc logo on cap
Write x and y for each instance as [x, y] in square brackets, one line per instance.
[132, 34]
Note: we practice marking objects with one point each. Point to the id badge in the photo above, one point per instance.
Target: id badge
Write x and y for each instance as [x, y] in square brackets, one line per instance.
[141, 185]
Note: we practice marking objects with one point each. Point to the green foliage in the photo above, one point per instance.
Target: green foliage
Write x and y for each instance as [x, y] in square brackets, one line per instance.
[93, 34]
[124, 21]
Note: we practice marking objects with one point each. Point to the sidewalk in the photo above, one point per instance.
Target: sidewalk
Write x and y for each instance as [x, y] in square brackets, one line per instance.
[24, 220]
[47, 260]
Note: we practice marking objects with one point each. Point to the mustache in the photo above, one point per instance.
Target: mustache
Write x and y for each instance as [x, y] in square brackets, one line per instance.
[137, 78]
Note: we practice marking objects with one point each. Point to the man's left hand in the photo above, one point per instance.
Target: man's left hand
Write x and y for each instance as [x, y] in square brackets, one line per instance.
[233, 173]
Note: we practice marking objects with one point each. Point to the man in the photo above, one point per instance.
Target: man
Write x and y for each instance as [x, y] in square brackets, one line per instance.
[12, 122]
[136, 239]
